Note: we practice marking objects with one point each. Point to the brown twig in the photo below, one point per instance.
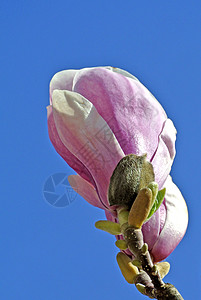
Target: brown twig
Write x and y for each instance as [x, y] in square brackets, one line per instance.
[154, 287]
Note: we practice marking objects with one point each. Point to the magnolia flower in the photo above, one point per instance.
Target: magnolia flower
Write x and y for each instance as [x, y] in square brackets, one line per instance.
[97, 116]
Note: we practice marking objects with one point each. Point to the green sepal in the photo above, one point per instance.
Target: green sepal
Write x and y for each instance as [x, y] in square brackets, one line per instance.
[144, 248]
[141, 288]
[123, 214]
[158, 201]
[108, 226]
[121, 244]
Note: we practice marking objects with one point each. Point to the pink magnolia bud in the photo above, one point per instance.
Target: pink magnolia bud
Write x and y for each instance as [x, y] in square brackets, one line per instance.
[97, 116]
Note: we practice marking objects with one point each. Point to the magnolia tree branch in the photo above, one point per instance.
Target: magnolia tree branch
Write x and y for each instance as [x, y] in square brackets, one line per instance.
[153, 284]
[141, 270]
[136, 197]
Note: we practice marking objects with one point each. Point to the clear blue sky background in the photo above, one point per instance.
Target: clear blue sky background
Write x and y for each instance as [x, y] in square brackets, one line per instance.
[56, 253]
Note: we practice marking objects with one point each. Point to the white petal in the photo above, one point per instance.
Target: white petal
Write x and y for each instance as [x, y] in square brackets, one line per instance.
[85, 133]
[62, 80]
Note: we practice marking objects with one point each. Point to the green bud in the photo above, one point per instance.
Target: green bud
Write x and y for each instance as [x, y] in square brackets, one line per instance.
[121, 244]
[108, 226]
[122, 215]
[153, 186]
[141, 288]
[144, 248]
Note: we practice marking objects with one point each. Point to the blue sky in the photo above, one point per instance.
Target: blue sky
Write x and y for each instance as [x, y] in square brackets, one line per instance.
[56, 253]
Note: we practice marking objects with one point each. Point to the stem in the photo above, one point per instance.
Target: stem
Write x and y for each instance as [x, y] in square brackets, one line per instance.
[158, 289]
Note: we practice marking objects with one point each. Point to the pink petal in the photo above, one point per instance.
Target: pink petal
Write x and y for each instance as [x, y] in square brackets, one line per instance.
[151, 229]
[165, 153]
[175, 223]
[84, 132]
[62, 81]
[85, 189]
[111, 215]
[130, 110]
[122, 72]
[71, 160]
